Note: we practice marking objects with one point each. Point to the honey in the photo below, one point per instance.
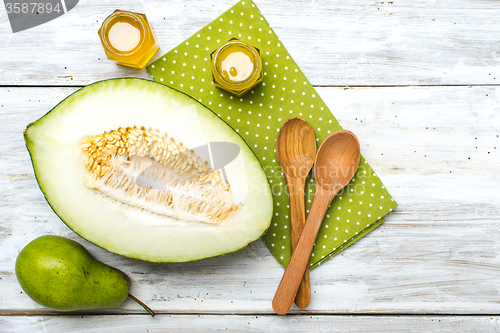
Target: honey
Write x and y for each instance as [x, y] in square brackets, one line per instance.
[236, 67]
[128, 39]
[124, 36]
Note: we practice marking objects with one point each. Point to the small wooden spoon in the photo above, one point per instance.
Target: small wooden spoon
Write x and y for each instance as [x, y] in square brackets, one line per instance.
[336, 163]
[296, 150]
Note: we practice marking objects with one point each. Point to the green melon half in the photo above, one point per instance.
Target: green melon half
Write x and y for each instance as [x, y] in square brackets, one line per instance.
[54, 140]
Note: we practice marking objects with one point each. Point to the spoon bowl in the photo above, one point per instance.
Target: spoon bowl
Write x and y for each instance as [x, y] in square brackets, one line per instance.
[337, 160]
[336, 163]
[296, 147]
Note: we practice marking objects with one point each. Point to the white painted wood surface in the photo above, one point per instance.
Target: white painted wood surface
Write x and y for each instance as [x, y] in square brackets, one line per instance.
[346, 43]
[426, 108]
[253, 323]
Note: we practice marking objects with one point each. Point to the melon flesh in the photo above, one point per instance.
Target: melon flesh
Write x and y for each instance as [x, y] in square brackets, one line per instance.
[128, 227]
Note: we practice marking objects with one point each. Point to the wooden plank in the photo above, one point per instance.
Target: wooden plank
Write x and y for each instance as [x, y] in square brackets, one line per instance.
[335, 43]
[246, 323]
[437, 253]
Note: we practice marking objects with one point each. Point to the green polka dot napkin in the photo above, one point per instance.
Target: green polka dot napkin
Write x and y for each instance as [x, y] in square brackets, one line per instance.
[257, 117]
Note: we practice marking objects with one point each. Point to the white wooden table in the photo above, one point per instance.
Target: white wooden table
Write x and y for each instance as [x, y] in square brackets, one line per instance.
[418, 82]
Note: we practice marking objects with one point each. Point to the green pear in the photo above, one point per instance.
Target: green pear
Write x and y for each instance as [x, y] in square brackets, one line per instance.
[61, 274]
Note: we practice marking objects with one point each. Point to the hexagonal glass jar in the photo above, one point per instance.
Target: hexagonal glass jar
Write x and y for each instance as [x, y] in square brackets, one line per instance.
[126, 25]
[236, 67]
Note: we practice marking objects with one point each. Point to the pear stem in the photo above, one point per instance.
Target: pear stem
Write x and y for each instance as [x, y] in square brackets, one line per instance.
[151, 312]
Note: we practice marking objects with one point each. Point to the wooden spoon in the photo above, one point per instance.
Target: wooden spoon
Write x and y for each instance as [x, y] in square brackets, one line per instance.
[296, 150]
[336, 163]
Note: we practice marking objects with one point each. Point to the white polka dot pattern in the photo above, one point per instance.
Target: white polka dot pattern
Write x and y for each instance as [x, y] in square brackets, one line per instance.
[257, 117]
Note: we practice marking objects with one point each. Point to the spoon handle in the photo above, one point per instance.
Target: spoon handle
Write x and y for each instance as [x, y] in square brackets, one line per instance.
[297, 222]
[287, 289]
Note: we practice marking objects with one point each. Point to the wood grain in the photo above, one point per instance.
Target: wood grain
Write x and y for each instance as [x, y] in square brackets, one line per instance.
[336, 163]
[297, 222]
[437, 253]
[291, 279]
[296, 152]
[335, 43]
[425, 104]
[250, 323]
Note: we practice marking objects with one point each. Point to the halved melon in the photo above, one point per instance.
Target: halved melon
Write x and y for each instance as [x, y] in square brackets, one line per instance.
[130, 165]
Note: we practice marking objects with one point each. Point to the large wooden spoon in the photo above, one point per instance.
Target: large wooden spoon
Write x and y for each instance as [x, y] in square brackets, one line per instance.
[296, 150]
[336, 163]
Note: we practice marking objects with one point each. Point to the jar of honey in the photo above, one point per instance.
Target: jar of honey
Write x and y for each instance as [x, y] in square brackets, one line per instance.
[128, 39]
[236, 67]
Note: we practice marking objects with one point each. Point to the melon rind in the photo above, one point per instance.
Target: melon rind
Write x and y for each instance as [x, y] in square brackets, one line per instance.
[53, 143]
